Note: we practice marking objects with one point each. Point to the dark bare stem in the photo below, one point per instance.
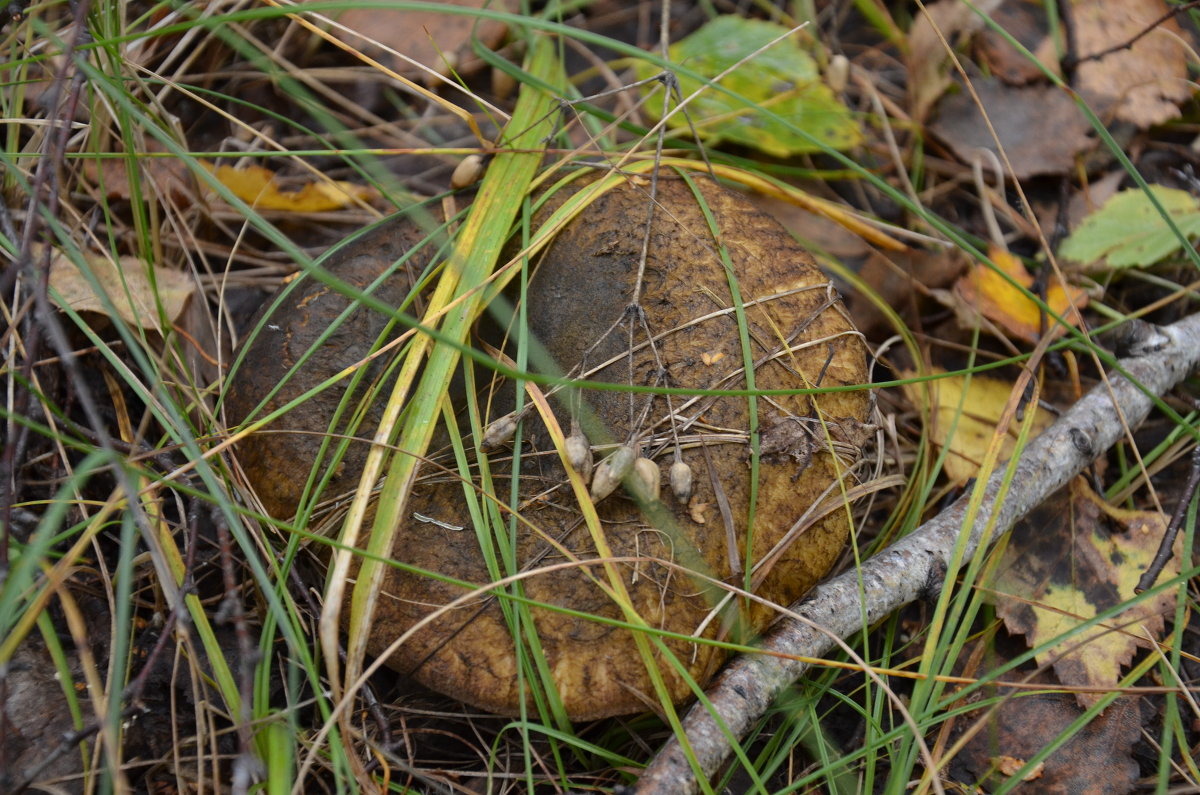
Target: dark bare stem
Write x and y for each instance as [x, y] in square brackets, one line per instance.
[45, 182]
[247, 768]
[1070, 59]
[1166, 549]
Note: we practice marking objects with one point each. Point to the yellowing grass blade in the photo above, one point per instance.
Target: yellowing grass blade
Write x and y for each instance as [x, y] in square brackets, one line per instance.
[453, 307]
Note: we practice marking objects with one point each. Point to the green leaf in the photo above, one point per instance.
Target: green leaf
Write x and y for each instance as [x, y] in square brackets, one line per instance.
[783, 78]
[1129, 231]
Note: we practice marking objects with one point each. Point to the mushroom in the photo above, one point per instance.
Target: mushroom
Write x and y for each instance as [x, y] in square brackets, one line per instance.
[584, 307]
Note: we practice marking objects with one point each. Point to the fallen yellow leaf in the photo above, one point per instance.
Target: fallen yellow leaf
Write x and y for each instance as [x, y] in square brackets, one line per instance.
[1002, 303]
[980, 411]
[256, 186]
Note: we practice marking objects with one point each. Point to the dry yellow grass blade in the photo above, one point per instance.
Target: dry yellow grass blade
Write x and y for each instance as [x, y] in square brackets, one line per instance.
[475, 253]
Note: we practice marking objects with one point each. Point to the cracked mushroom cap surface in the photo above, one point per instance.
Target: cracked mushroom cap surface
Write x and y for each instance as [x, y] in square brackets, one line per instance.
[708, 306]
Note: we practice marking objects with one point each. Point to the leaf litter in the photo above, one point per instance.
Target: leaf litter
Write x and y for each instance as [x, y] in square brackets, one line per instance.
[1096, 760]
[410, 39]
[260, 188]
[129, 287]
[1071, 560]
[989, 292]
[1142, 83]
[1039, 128]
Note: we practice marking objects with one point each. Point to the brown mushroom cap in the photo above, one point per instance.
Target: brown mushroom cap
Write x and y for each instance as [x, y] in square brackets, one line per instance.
[579, 309]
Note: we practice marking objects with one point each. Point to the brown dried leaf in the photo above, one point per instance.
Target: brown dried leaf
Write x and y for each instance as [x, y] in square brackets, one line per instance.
[928, 60]
[1142, 84]
[1070, 560]
[1096, 760]
[900, 280]
[1040, 127]
[127, 285]
[167, 177]
[1026, 22]
[441, 42]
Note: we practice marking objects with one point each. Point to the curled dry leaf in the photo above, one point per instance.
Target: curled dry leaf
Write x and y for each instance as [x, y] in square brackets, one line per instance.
[993, 296]
[1072, 559]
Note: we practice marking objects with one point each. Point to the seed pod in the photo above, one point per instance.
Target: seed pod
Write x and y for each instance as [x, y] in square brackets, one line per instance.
[611, 471]
[500, 431]
[503, 83]
[837, 74]
[579, 453]
[649, 478]
[467, 172]
[447, 62]
[680, 477]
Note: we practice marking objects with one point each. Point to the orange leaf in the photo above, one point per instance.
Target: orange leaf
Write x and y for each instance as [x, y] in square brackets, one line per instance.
[999, 301]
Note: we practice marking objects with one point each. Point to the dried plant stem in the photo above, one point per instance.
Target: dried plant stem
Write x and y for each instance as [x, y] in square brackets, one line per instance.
[915, 565]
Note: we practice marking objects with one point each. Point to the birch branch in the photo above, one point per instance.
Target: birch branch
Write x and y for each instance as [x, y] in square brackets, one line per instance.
[914, 566]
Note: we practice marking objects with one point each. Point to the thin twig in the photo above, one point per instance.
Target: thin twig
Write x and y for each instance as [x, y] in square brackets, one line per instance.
[1166, 548]
[910, 568]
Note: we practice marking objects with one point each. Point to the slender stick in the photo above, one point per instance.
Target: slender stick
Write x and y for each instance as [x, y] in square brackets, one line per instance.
[1166, 548]
[913, 567]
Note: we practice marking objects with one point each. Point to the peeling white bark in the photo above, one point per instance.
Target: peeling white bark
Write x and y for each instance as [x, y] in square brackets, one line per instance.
[905, 571]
